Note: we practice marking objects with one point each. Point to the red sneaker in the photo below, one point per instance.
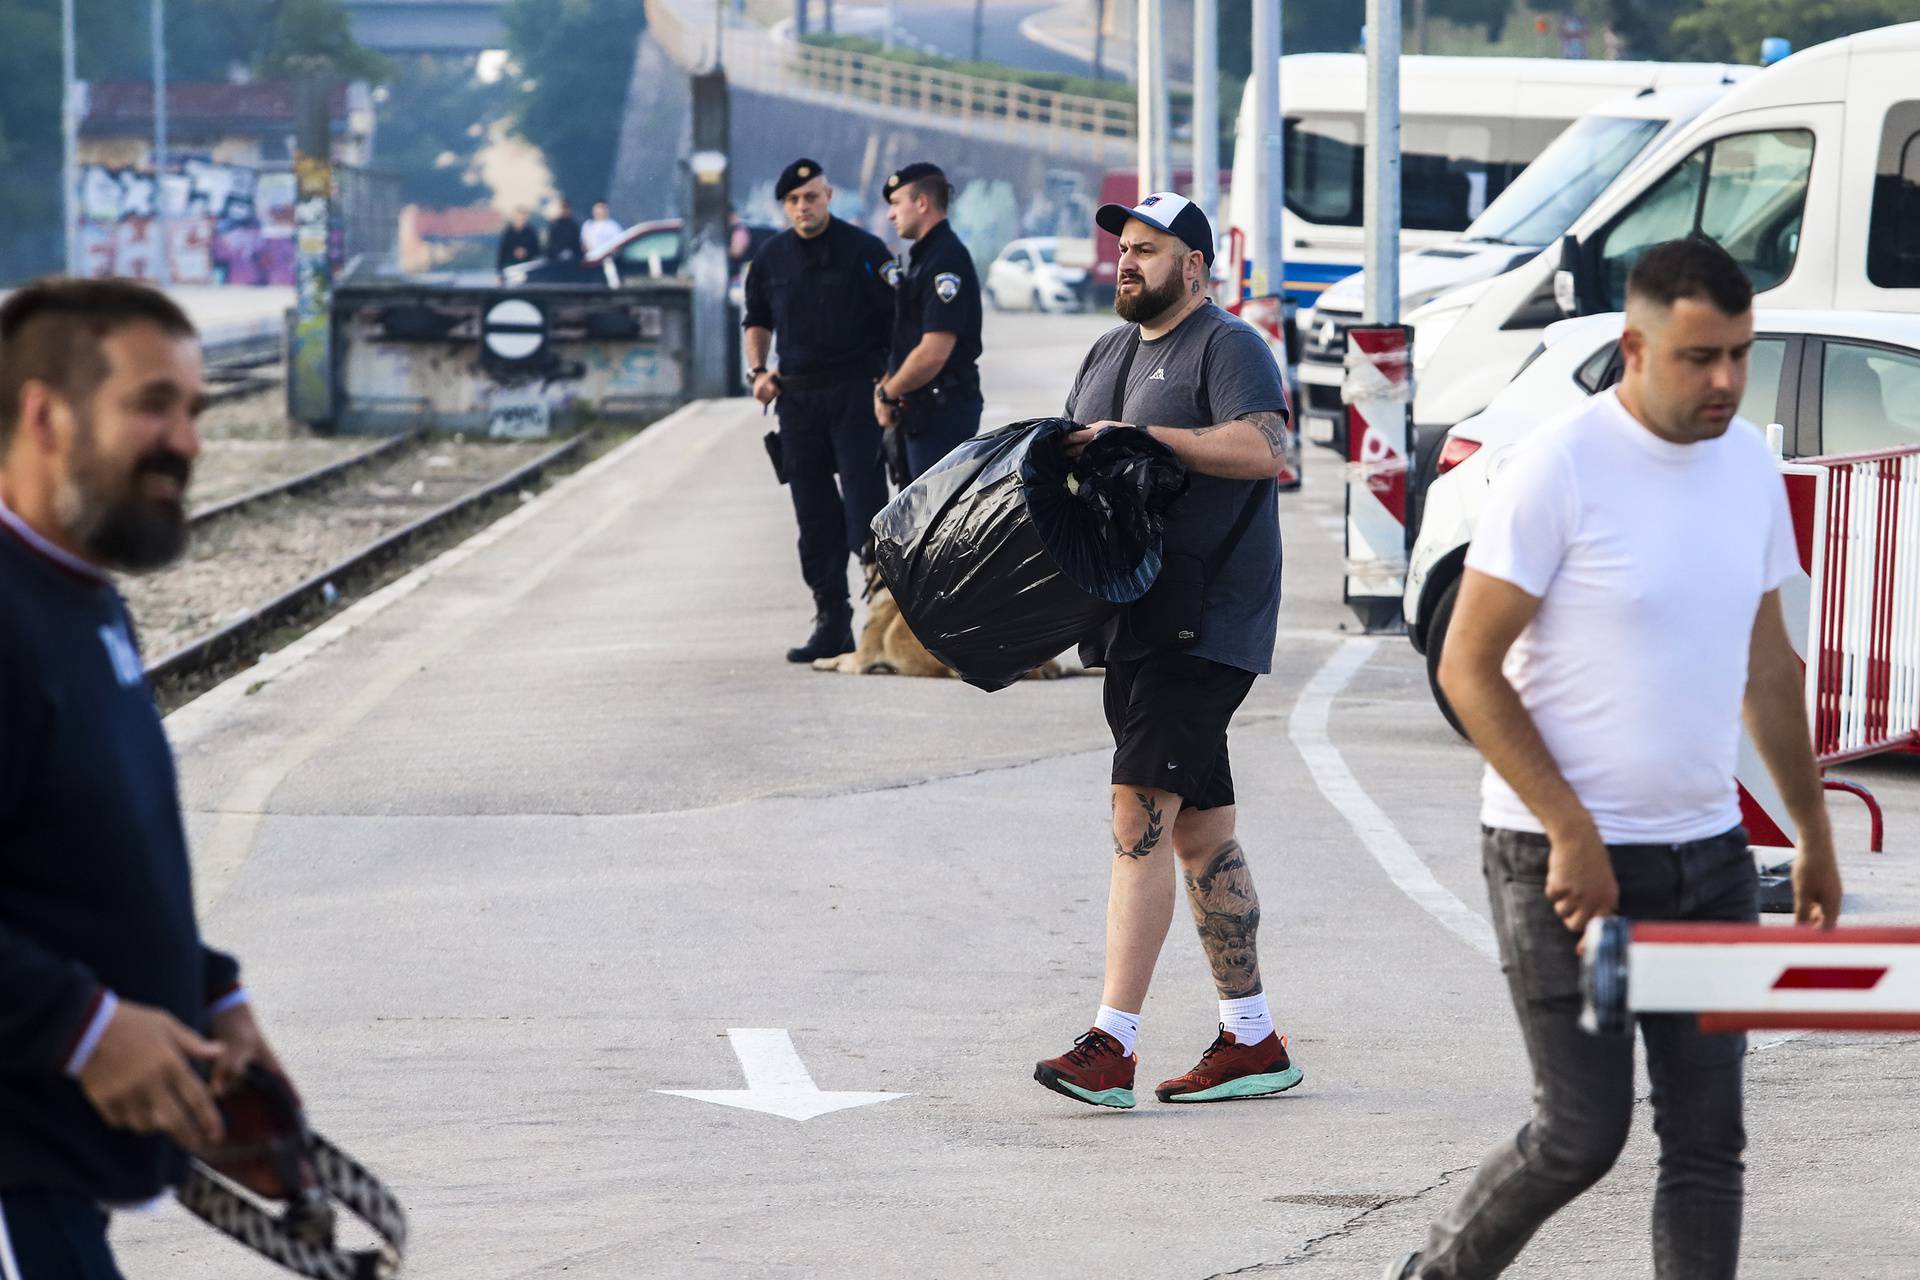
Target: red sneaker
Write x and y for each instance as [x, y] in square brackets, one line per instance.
[1230, 1069]
[1095, 1070]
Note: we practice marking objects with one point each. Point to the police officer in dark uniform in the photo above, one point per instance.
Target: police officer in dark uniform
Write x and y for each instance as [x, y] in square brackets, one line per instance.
[931, 393]
[824, 287]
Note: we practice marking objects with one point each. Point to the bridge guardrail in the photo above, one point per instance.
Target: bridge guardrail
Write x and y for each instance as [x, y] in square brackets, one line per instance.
[1097, 129]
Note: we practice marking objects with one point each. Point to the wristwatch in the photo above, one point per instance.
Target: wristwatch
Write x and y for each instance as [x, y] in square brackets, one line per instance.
[756, 371]
[880, 394]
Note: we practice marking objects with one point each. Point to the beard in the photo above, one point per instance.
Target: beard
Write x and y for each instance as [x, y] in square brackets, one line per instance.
[1147, 303]
[111, 518]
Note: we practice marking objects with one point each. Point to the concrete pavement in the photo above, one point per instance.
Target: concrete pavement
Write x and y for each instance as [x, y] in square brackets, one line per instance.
[511, 847]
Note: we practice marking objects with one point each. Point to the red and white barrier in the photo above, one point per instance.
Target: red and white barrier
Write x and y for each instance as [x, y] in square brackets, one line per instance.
[1748, 977]
[1378, 391]
[1854, 617]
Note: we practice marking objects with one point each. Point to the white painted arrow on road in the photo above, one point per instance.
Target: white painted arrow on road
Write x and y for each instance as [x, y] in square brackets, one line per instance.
[777, 1081]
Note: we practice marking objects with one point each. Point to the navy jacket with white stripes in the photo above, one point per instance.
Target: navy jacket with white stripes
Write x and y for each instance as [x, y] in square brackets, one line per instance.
[96, 894]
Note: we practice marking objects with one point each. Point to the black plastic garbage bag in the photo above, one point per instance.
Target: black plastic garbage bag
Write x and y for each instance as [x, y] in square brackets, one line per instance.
[1006, 553]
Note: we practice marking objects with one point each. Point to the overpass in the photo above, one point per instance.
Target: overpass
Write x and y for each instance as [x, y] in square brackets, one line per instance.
[428, 26]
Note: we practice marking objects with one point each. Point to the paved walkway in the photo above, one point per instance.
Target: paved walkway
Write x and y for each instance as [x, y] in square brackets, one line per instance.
[508, 849]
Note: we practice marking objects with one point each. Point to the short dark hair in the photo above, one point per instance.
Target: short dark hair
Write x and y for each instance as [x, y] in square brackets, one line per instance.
[938, 191]
[51, 331]
[1695, 267]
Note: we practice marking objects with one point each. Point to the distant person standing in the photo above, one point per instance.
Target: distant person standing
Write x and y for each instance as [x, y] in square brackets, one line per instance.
[563, 236]
[822, 287]
[518, 241]
[599, 230]
[931, 393]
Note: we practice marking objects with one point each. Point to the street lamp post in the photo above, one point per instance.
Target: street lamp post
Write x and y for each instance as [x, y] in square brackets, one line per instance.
[69, 142]
[163, 266]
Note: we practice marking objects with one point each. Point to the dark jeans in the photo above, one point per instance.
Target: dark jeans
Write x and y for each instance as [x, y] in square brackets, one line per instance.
[823, 433]
[933, 432]
[1583, 1084]
[54, 1235]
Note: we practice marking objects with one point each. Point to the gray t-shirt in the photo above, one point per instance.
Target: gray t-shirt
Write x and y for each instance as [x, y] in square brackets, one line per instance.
[1214, 368]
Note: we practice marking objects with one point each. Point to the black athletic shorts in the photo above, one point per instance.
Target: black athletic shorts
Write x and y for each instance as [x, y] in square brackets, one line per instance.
[1169, 714]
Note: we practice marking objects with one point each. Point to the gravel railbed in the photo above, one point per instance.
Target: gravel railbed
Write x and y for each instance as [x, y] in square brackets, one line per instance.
[242, 562]
[250, 442]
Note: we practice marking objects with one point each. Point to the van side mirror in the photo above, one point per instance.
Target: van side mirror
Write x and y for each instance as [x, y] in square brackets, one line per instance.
[1567, 282]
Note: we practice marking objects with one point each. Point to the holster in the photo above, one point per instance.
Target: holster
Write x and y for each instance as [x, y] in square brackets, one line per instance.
[775, 455]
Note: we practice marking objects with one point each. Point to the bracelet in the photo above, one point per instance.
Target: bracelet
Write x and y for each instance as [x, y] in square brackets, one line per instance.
[756, 371]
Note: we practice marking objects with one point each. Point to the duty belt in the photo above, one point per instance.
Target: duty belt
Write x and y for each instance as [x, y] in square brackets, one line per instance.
[831, 376]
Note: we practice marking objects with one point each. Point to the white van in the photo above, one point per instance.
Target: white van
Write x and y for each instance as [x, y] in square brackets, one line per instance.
[1809, 173]
[1530, 215]
[1468, 126]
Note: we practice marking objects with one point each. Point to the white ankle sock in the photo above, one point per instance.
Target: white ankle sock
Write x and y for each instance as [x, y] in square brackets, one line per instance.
[1247, 1018]
[1124, 1027]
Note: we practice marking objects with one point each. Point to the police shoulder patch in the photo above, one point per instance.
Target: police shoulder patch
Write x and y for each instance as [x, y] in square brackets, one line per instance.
[947, 286]
[891, 272]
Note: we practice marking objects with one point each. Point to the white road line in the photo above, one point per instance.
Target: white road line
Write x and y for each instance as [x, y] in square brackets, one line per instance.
[1307, 727]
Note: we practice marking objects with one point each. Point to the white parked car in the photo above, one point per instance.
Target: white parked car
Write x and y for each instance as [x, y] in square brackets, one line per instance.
[1028, 276]
[1836, 381]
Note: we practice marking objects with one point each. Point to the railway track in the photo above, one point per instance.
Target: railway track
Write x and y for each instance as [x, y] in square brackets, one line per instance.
[237, 639]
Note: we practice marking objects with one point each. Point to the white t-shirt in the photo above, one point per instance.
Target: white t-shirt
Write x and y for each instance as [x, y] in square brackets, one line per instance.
[595, 232]
[1649, 559]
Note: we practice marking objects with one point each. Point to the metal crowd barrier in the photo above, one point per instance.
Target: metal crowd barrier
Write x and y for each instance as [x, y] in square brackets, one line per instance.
[1855, 619]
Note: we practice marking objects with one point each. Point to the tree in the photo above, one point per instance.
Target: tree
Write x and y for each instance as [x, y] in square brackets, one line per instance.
[433, 124]
[575, 59]
[1731, 30]
[308, 36]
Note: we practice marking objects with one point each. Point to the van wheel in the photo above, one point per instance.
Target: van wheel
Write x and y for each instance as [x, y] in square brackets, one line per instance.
[1436, 644]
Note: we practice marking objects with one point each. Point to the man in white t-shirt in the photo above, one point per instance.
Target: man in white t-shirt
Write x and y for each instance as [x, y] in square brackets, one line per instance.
[600, 229]
[1620, 612]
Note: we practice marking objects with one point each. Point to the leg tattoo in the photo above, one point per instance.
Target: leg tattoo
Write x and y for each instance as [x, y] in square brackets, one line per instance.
[1148, 838]
[1227, 912]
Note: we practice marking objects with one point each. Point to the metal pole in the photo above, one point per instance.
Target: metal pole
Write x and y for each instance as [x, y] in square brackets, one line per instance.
[893, 20]
[162, 264]
[1381, 209]
[69, 143]
[1151, 51]
[1206, 110]
[979, 26]
[1099, 39]
[1268, 241]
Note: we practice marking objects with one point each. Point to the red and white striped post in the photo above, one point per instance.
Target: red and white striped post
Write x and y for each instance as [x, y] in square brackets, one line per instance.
[1378, 391]
[1740, 977]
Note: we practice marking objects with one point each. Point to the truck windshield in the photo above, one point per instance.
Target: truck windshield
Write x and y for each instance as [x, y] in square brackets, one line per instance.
[1558, 186]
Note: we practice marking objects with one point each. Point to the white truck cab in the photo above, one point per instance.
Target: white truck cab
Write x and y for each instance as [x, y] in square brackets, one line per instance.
[1530, 215]
[1808, 172]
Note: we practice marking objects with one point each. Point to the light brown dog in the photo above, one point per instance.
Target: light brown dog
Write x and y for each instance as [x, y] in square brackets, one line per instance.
[888, 646]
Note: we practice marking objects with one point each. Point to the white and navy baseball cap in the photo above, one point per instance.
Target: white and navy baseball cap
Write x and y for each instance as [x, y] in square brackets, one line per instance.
[1165, 211]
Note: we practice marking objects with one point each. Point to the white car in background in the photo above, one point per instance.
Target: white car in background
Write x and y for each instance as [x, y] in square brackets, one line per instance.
[1029, 275]
[1836, 381]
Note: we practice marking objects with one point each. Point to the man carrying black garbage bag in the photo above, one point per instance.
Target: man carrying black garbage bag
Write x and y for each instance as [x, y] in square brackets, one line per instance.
[1181, 659]
[930, 399]
[822, 286]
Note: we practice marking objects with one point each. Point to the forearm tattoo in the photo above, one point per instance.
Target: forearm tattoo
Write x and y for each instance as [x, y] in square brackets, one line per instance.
[1273, 426]
[1227, 912]
[1156, 827]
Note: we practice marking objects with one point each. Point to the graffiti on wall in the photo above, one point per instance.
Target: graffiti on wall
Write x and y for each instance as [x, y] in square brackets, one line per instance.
[221, 223]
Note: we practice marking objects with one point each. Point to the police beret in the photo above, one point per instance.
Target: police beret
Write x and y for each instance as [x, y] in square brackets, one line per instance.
[909, 175]
[797, 174]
